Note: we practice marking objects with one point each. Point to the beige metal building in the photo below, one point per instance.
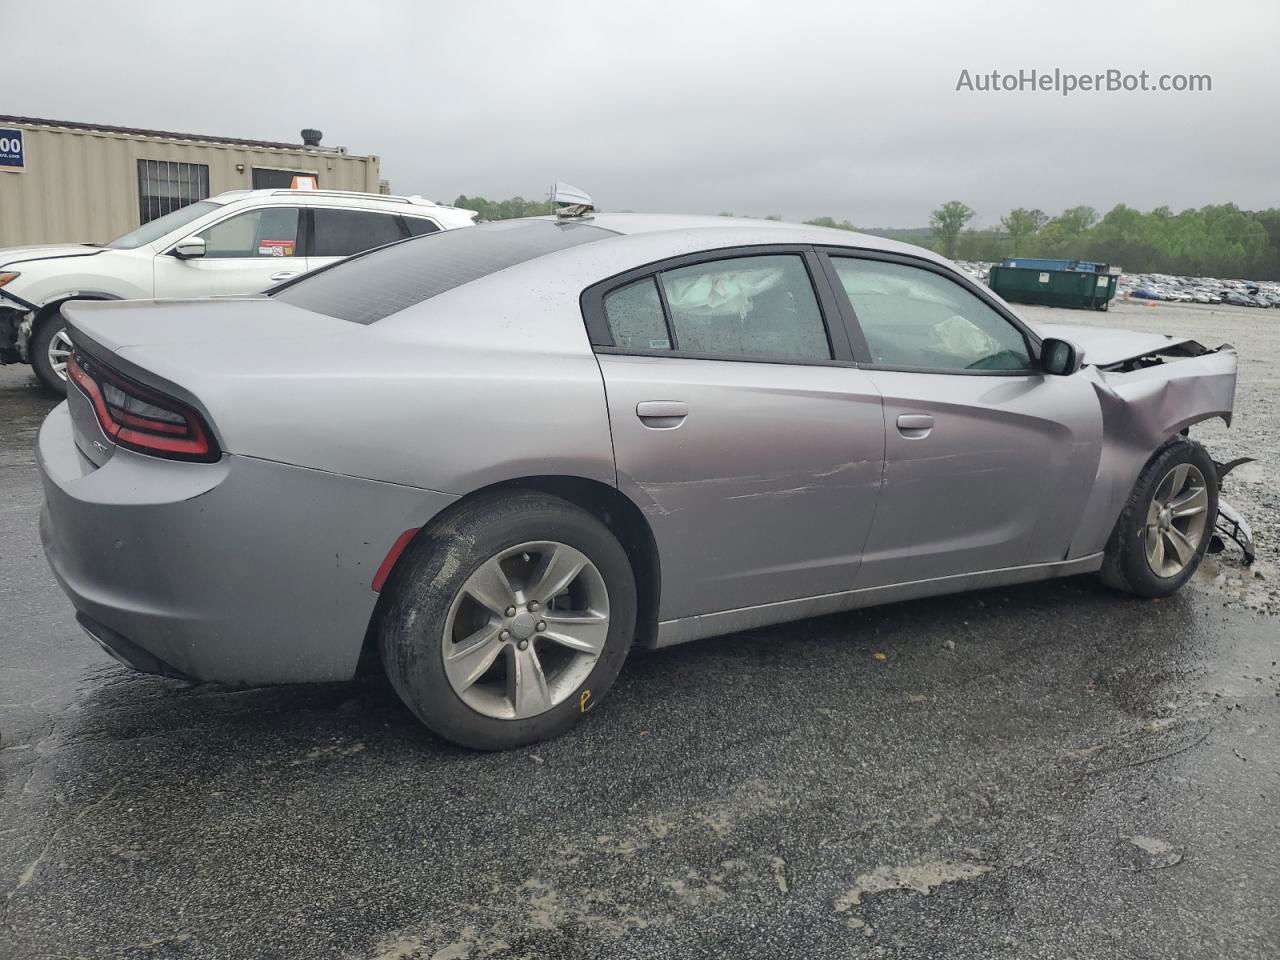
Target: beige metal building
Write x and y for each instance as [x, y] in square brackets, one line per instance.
[83, 182]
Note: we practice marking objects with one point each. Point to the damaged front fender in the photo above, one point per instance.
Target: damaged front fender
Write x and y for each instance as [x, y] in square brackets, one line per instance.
[1145, 402]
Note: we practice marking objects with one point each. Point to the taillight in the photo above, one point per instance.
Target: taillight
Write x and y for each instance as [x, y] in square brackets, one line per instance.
[138, 417]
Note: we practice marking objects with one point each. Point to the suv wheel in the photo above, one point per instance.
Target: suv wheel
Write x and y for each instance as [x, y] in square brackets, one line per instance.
[49, 348]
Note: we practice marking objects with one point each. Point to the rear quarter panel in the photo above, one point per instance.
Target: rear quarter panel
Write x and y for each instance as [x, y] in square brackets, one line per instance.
[484, 383]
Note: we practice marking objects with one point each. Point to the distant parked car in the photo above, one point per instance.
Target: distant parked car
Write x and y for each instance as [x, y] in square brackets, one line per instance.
[495, 459]
[238, 242]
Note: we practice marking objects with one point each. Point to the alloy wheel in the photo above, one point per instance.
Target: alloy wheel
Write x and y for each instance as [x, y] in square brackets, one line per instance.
[59, 350]
[525, 630]
[1176, 520]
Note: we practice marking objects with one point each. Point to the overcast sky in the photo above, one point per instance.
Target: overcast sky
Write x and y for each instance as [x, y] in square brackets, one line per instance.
[799, 108]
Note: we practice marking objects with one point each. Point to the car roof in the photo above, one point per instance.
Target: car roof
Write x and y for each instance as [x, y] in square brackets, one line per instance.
[628, 242]
[715, 231]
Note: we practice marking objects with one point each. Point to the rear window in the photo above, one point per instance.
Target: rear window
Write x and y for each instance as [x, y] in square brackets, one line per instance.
[377, 284]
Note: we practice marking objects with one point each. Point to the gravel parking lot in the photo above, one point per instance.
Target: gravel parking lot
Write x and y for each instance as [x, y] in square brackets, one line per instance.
[1254, 432]
[1046, 771]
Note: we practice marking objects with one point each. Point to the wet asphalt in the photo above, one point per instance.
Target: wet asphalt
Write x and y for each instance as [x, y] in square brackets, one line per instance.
[1048, 771]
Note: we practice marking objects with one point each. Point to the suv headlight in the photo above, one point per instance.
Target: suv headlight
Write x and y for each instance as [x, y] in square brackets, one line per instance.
[7, 277]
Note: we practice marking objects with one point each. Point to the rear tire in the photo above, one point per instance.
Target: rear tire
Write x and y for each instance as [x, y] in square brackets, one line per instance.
[1166, 524]
[486, 660]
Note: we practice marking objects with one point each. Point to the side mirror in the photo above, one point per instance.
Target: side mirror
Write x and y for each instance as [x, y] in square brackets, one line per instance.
[189, 248]
[1059, 358]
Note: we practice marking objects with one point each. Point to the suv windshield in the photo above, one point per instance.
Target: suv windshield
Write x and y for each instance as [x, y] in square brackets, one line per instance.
[152, 231]
[370, 286]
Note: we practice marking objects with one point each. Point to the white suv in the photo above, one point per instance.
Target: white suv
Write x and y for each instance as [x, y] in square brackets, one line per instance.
[238, 242]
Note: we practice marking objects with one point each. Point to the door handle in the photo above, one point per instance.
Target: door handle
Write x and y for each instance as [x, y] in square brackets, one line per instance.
[914, 426]
[662, 414]
[284, 275]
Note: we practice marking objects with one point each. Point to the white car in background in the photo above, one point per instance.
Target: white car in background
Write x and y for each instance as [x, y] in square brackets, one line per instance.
[238, 242]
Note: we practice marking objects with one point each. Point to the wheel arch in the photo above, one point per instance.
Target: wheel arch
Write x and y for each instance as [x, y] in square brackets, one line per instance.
[41, 319]
[623, 518]
[1125, 490]
[50, 307]
[1112, 572]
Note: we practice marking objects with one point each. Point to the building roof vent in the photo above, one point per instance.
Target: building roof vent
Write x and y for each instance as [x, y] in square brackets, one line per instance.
[311, 138]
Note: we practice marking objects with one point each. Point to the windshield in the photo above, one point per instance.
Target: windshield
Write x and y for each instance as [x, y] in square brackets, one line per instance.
[153, 231]
[370, 286]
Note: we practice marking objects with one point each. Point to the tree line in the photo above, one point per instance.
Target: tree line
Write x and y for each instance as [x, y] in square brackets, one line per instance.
[1217, 241]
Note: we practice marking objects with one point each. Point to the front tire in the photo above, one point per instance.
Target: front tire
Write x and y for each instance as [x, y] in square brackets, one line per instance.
[505, 623]
[1166, 524]
[48, 350]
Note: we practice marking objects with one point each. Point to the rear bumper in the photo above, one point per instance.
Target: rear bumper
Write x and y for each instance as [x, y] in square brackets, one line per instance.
[241, 571]
[125, 650]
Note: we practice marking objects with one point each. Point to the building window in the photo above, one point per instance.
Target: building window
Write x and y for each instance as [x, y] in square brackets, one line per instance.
[267, 178]
[165, 186]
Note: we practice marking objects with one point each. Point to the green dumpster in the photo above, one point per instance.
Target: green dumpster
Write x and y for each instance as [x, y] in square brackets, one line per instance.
[1055, 283]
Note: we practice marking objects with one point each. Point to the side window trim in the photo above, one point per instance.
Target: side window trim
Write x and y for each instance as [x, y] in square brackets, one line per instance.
[404, 219]
[858, 339]
[306, 231]
[672, 337]
[592, 299]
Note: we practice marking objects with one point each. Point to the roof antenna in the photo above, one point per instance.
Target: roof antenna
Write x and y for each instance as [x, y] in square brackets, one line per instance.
[569, 201]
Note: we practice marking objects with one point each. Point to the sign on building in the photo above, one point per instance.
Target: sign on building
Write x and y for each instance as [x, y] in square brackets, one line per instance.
[12, 152]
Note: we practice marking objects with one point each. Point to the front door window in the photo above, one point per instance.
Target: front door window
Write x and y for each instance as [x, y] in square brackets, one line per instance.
[915, 319]
[268, 232]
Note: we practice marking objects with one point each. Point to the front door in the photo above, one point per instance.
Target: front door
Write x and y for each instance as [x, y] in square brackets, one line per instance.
[988, 462]
[755, 452]
[244, 253]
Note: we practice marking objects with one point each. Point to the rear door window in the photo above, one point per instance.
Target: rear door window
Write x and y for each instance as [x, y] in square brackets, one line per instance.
[340, 233]
[749, 307]
[760, 307]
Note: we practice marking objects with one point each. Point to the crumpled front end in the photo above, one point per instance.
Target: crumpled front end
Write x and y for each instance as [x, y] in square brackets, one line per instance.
[9, 320]
[1147, 401]
[15, 332]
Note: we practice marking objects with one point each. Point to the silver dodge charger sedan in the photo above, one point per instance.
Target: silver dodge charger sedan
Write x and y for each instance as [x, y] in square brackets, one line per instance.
[497, 458]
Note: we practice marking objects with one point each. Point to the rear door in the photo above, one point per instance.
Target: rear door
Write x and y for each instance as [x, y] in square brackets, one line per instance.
[740, 424]
[244, 253]
[988, 461]
[342, 232]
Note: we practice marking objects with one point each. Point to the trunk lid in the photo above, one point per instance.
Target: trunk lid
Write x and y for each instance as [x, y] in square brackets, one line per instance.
[206, 323]
[201, 352]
